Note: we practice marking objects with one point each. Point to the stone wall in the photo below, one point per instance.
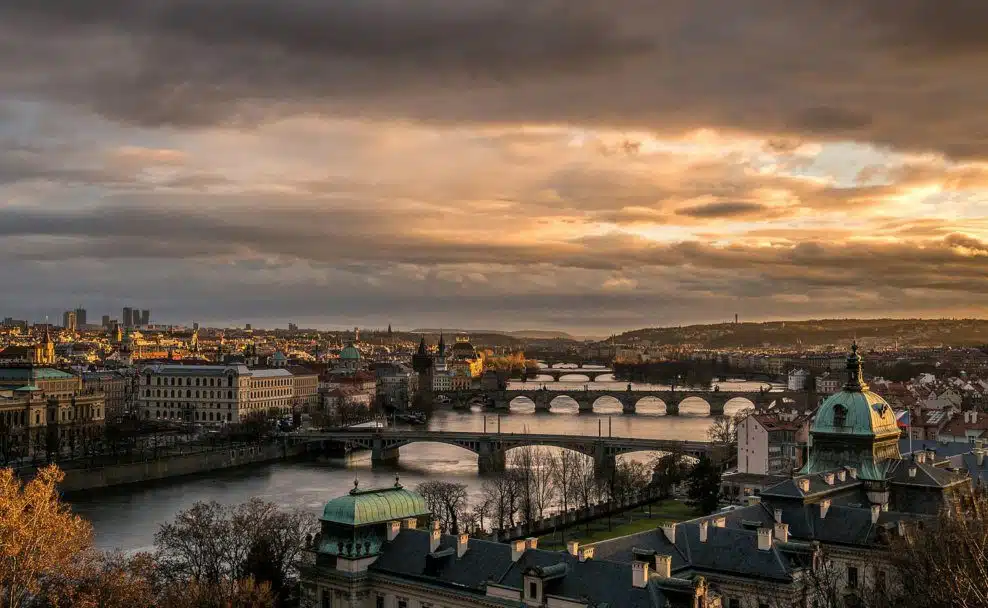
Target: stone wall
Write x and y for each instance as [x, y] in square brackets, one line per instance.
[77, 480]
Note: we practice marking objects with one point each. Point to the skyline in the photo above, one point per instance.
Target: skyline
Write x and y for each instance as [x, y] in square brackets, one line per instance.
[588, 168]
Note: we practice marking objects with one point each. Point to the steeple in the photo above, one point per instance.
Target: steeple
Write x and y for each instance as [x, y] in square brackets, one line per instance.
[422, 350]
[442, 345]
[855, 376]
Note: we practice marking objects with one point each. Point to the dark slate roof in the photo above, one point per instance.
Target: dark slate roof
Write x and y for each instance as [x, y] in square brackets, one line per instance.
[606, 583]
[732, 549]
[600, 580]
[407, 555]
[926, 475]
[819, 488]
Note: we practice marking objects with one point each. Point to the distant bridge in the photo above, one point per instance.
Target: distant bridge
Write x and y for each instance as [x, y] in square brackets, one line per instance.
[491, 447]
[629, 399]
[591, 374]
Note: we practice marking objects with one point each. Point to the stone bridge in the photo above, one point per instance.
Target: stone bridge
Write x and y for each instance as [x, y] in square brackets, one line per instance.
[556, 374]
[716, 400]
[492, 447]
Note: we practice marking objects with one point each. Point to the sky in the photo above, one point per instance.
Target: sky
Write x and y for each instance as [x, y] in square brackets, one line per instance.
[588, 166]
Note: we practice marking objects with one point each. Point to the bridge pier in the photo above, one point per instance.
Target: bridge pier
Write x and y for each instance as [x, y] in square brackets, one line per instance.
[380, 454]
[490, 457]
[672, 409]
[586, 404]
[628, 406]
[604, 464]
[542, 401]
[716, 407]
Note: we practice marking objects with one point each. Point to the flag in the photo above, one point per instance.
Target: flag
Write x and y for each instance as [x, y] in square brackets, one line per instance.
[903, 418]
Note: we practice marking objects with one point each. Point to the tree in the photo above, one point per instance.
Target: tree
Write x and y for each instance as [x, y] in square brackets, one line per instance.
[565, 467]
[224, 548]
[535, 468]
[447, 501]
[501, 493]
[704, 486]
[668, 470]
[39, 535]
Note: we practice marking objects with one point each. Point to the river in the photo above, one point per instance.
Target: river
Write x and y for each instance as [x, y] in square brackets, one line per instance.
[127, 517]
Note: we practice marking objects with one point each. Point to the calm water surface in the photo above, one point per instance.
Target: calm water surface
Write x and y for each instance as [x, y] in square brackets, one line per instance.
[126, 518]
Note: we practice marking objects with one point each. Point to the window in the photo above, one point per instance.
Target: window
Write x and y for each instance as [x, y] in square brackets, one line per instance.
[379, 602]
[840, 415]
[402, 603]
[852, 577]
[880, 579]
[327, 598]
[533, 589]
[734, 603]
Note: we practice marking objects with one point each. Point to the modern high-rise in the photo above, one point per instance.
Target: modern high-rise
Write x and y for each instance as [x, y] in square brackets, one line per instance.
[69, 320]
[106, 321]
[128, 316]
[145, 317]
[80, 317]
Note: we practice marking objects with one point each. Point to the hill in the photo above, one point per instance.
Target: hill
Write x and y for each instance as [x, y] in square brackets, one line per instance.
[819, 333]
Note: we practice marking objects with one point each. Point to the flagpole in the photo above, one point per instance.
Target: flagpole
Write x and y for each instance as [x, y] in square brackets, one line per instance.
[909, 428]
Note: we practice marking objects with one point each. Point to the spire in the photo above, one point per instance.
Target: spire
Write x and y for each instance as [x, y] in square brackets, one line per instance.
[855, 376]
[422, 350]
[442, 344]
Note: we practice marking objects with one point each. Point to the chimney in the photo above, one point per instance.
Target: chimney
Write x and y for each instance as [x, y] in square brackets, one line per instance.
[842, 475]
[462, 544]
[394, 527]
[931, 455]
[764, 539]
[912, 470]
[876, 510]
[639, 574]
[517, 549]
[532, 542]
[670, 531]
[573, 548]
[586, 553]
[919, 456]
[980, 453]
[720, 522]
[703, 531]
[853, 472]
[824, 507]
[829, 478]
[781, 532]
[901, 527]
[434, 537]
[804, 485]
[410, 523]
[777, 515]
[663, 566]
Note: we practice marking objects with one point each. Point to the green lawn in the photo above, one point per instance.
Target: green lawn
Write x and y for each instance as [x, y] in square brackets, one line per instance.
[629, 522]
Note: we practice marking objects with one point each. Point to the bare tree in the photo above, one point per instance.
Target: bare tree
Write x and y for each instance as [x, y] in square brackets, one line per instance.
[535, 467]
[501, 493]
[447, 501]
[566, 465]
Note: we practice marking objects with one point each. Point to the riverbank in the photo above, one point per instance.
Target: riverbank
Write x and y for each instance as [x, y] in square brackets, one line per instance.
[632, 521]
[180, 465]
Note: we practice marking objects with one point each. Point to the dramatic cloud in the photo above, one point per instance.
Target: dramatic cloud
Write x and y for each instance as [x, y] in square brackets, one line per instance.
[494, 162]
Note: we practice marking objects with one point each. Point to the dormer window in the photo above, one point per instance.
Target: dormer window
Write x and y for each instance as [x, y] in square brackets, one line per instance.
[840, 416]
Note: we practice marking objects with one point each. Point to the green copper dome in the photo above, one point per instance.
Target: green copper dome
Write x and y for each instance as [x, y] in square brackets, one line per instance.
[350, 352]
[363, 507]
[855, 413]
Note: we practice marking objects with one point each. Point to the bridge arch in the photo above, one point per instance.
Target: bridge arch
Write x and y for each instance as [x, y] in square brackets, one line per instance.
[651, 406]
[737, 404]
[562, 403]
[575, 376]
[694, 406]
[607, 404]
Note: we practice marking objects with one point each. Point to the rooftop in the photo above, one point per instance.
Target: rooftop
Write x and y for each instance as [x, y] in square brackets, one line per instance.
[375, 505]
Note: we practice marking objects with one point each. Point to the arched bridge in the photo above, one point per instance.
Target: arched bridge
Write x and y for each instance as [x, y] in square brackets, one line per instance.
[491, 447]
[629, 399]
[556, 374]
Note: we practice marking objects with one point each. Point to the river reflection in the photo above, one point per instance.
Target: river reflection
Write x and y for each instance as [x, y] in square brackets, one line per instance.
[126, 518]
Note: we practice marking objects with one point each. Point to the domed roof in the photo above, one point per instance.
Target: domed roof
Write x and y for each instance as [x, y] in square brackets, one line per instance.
[855, 410]
[350, 352]
[363, 507]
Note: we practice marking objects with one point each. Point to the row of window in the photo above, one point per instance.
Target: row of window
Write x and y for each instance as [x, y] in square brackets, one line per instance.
[189, 406]
[159, 381]
[188, 394]
[198, 416]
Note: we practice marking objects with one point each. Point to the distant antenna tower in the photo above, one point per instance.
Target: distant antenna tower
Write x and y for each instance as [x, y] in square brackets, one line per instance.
[735, 318]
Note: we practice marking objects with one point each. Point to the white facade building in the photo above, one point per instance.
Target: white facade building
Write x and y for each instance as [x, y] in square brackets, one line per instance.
[213, 393]
[797, 379]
